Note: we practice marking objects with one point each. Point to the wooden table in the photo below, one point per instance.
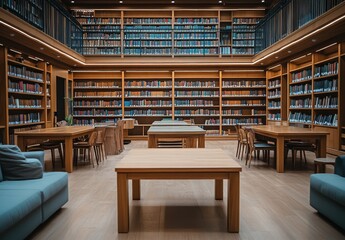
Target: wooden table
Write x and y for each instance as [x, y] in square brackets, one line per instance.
[282, 133]
[67, 133]
[178, 164]
[194, 135]
[169, 123]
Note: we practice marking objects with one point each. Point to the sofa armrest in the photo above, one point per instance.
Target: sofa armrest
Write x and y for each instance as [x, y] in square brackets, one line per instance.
[36, 154]
[340, 166]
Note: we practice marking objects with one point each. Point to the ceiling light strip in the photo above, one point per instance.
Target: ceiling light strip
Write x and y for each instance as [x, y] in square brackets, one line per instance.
[319, 50]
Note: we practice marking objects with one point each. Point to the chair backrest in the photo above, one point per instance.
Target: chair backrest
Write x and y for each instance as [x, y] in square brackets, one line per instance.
[250, 139]
[100, 134]
[92, 138]
[242, 135]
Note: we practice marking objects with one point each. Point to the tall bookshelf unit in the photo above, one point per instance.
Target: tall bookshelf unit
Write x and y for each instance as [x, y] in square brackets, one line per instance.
[168, 33]
[147, 33]
[341, 97]
[101, 31]
[276, 93]
[97, 97]
[24, 93]
[243, 31]
[243, 99]
[197, 98]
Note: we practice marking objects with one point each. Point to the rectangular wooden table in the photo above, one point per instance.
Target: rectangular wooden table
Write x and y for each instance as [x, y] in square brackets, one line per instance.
[185, 163]
[67, 134]
[169, 123]
[282, 133]
[194, 135]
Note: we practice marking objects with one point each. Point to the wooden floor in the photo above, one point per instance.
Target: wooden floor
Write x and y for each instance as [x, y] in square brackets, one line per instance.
[273, 206]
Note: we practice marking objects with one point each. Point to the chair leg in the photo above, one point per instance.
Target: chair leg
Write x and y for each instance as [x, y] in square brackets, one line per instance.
[61, 156]
[52, 151]
[238, 145]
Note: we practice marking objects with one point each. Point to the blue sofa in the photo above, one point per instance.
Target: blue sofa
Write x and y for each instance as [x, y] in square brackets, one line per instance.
[327, 193]
[25, 204]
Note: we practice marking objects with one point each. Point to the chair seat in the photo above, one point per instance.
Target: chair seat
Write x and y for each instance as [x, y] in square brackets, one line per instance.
[264, 145]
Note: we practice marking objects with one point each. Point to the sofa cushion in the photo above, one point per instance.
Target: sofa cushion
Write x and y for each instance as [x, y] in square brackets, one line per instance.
[49, 185]
[30, 168]
[16, 205]
[329, 185]
[11, 152]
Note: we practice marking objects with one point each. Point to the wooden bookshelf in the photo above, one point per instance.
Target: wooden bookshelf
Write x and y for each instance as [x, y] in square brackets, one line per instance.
[243, 99]
[197, 98]
[97, 97]
[172, 33]
[24, 93]
[276, 94]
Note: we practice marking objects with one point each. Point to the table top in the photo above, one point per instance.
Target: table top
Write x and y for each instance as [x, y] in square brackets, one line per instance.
[169, 123]
[288, 130]
[188, 129]
[57, 131]
[177, 160]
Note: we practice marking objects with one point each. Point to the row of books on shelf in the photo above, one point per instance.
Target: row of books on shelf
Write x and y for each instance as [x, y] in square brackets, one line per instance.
[197, 93]
[196, 20]
[212, 121]
[243, 28]
[29, 11]
[243, 43]
[300, 117]
[301, 103]
[195, 83]
[101, 36]
[301, 89]
[240, 112]
[90, 121]
[274, 116]
[97, 112]
[246, 20]
[147, 51]
[145, 43]
[148, 83]
[242, 50]
[326, 85]
[21, 129]
[249, 35]
[326, 69]
[24, 118]
[147, 20]
[196, 43]
[274, 104]
[244, 103]
[326, 120]
[252, 93]
[243, 83]
[195, 35]
[274, 83]
[24, 103]
[196, 51]
[93, 20]
[198, 102]
[197, 112]
[326, 102]
[243, 121]
[95, 83]
[25, 72]
[148, 93]
[97, 103]
[101, 43]
[22, 87]
[274, 93]
[225, 50]
[147, 36]
[148, 103]
[101, 28]
[101, 51]
[301, 75]
[97, 94]
[224, 40]
[148, 112]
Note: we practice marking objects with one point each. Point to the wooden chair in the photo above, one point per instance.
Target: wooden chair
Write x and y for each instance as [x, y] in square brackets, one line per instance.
[243, 147]
[99, 145]
[86, 147]
[260, 146]
[237, 127]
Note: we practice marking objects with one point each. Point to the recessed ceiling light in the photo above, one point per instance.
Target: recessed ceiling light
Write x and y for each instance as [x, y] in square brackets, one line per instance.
[172, 1]
[120, 1]
[277, 57]
[220, 1]
[263, 1]
[313, 40]
[12, 34]
[289, 51]
[72, 1]
[41, 48]
[58, 56]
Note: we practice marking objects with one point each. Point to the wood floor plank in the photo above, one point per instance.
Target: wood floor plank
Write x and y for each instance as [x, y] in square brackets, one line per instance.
[272, 205]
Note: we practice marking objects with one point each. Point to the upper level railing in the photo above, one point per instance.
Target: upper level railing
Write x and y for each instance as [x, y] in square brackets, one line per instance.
[286, 17]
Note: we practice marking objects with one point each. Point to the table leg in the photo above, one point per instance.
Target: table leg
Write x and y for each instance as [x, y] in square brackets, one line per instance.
[233, 202]
[189, 142]
[122, 203]
[218, 189]
[322, 146]
[69, 154]
[201, 141]
[280, 154]
[152, 141]
[20, 143]
[136, 189]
